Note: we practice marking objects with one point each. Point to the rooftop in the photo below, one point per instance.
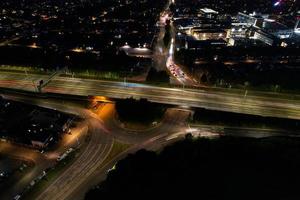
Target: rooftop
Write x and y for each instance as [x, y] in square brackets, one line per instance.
[208, 11]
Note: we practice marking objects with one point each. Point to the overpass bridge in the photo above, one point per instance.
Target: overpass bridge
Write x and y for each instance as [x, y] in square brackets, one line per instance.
[230, 100]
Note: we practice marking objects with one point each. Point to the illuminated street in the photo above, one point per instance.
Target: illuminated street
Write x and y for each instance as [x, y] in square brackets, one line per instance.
[259, 103]
[119, 99]
[102, 131]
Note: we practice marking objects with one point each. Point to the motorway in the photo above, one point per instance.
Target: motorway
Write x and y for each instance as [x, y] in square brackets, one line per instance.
[238, 101]
[103, 130]
[98, 148]
[89, 167]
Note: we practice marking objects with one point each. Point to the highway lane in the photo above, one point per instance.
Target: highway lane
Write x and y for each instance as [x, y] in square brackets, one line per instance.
[224, 100]
[221, 130]
[98, 148]
[103, 131]
[95, 151]
[72, 184]
[257, 103]
[173, 121]
[168, 137]
[106, 130]
[21, 81]
[273, 106]
[81, 171]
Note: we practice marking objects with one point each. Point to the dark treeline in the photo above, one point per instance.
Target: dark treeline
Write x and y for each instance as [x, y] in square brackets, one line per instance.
[50, 59]
[142, 111]
[225, 168]
[157, 76]
[274, 68]
[205, 116]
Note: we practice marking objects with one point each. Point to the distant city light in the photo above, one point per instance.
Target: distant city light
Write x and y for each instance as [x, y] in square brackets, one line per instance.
[277, 3]
[34, 46]
[77, 50]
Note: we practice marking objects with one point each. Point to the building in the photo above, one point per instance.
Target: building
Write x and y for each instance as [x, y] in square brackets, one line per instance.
[246, 19]
[46, 126]
[208, 13]
[297, 27]
[238, 31]
[261, 27]
[208, 34]
[265, 37]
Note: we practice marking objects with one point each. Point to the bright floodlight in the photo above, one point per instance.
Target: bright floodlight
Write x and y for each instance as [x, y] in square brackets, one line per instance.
[277, 3]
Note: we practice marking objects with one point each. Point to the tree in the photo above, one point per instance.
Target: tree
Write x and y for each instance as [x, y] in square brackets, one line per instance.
[142, 111]
[167, 37]
[158, 76]
[224, 168]
[203, 78]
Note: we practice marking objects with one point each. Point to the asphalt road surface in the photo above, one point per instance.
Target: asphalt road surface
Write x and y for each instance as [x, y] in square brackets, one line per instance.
[89, 169]
[103, 130]
[256, 103]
